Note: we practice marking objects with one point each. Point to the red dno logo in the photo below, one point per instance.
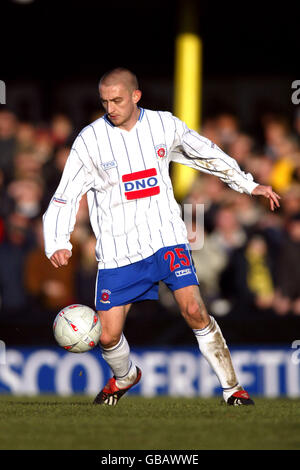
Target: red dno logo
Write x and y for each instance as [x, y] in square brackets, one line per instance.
[141, 184]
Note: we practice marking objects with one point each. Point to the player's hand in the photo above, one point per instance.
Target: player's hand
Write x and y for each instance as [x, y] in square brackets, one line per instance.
[60, 258]
[267, 192]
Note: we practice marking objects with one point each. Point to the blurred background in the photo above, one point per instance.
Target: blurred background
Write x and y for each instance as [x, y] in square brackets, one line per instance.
[52, 56]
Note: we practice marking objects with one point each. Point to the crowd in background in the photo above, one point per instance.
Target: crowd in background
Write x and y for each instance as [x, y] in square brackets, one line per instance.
[248, 267]
[251, 255]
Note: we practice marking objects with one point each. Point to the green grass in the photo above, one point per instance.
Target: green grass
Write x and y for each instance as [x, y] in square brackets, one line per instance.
[162, 423]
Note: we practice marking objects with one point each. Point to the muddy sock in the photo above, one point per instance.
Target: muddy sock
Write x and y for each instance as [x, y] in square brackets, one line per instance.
[214, 348]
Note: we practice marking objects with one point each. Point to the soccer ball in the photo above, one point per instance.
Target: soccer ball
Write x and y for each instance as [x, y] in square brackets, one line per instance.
[77, 328]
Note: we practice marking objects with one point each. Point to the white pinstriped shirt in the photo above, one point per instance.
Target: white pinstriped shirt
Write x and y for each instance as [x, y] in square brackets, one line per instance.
[125, 175]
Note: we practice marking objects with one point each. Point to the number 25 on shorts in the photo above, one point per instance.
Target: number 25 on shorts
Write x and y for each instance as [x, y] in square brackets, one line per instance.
[175, 257]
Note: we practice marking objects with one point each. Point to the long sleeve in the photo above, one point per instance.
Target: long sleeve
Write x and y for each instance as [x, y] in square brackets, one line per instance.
[200, 153]
[60, 217]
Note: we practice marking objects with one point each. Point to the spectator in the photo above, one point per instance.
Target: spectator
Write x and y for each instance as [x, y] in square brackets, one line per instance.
[228, 233]
[211, 131]
[247, 211]
[275, 129]
[25, 137]
[209, 262]
[7, 203]
[261, 166]
[27, 165]
[61, 130]
[211, 193]
[287, 159]
[290, 201]
[248, 280]
[8, 143]
[50, 289]
[228, 129]
[27, 195]
[43, 146]
[241, 148]
[296, 124]
[52, 170]
[288, 272]
[13, 250]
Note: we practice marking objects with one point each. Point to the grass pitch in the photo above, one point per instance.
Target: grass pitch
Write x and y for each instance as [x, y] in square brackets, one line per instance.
[137, 423]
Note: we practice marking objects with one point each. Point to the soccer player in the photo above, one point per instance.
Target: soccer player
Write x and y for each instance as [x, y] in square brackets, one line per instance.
[121, 161]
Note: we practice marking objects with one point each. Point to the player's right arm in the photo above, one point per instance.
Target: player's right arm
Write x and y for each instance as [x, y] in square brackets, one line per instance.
[60, 258]
[60, 217]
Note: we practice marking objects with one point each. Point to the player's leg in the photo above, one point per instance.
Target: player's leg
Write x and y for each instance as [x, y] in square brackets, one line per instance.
[116, 352]
[116, 289]
[179, 274]
[114, 346]
[192, 306]
[211, 343]
[112, 322]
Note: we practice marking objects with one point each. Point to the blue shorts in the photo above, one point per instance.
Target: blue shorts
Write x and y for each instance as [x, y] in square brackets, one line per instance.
[140, 281]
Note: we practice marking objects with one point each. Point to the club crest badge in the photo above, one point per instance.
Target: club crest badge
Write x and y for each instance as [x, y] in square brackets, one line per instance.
[161, 150]
[105, 296]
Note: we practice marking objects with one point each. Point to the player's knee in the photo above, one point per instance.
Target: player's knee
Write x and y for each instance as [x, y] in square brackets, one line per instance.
[194, 311]
[109, 340]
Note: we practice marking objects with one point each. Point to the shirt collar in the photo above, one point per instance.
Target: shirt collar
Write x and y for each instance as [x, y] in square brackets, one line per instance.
[142, 112]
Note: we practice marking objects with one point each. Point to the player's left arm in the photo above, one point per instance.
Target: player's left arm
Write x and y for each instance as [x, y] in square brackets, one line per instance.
[267, 191]
[198, 152]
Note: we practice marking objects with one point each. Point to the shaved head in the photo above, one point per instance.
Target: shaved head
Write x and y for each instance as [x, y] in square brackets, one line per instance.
[120, 76]
[119, 95]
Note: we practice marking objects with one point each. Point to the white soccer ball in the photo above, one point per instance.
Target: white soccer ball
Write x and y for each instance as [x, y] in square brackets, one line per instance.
[77, 328]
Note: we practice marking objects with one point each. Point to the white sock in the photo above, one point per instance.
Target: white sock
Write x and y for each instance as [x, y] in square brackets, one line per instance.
[214, 348]
[118, 358]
